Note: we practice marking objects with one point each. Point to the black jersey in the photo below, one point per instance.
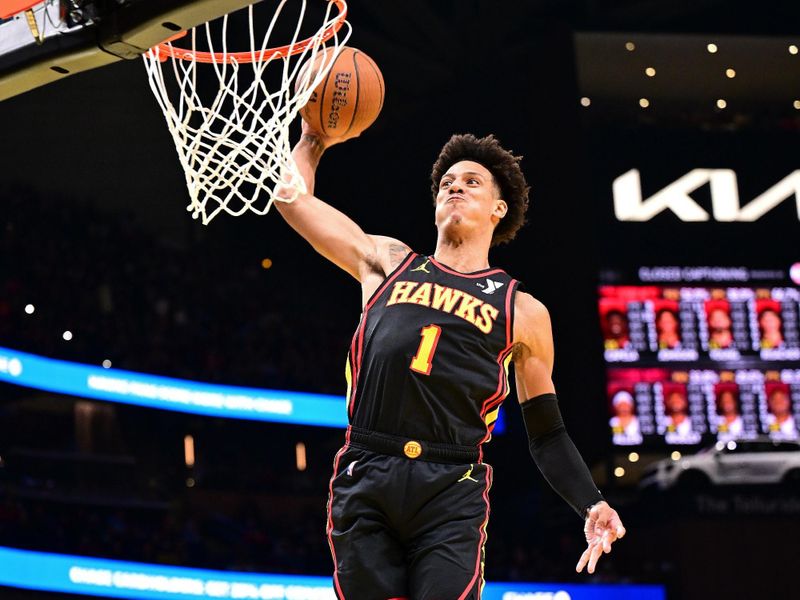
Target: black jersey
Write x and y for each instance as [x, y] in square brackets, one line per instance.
[430, 357]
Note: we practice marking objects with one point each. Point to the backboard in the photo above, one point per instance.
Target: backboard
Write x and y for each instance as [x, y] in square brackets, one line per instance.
[44, 42]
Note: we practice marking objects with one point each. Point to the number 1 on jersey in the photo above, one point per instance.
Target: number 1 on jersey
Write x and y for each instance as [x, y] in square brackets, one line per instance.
[422, 362]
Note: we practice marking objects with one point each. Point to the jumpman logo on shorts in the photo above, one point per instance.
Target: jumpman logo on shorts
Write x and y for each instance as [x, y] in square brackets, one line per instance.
[422, 267]
[467, 475]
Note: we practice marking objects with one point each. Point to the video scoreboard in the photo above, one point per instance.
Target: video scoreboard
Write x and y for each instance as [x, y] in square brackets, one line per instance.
[697, 354]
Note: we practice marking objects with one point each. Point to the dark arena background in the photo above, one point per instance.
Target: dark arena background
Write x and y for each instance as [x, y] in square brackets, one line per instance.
[660, 139]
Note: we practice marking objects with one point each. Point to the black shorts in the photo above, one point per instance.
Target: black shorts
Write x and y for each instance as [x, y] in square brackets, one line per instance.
[407, 528]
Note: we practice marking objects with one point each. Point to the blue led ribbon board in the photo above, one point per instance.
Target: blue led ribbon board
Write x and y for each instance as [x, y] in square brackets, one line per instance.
[167, 393]
[118, 579]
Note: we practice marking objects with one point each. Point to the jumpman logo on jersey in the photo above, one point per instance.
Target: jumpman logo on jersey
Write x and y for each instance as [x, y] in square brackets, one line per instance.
[467, 475]
[422, 267]
[491, 286]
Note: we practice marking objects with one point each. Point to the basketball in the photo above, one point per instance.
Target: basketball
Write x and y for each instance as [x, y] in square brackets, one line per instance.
[349, 99]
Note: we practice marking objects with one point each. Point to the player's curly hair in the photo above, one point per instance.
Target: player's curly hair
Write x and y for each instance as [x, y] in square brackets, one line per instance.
[503, 166]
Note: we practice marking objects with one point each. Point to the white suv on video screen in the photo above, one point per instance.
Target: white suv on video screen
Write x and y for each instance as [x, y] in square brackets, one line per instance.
[760, 461]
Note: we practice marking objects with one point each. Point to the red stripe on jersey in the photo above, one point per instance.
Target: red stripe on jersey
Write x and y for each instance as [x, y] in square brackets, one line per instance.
[502, 385]
[495, 398]
[482, 540]
[503, 391]
[510, 312]
[476, 275]
[357, 347]
[330, 513]
[351, 357]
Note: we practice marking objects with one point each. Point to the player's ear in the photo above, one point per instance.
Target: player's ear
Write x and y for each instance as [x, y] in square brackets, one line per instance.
[500, 208]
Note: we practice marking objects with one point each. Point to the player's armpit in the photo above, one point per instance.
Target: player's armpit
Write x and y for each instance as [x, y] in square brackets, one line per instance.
[391, 252]
[533, 348]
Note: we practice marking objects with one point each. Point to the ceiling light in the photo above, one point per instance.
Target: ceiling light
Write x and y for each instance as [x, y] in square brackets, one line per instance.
[644, 102]
[712, 48]
[650, 72]
[585, 101]
[730, 73]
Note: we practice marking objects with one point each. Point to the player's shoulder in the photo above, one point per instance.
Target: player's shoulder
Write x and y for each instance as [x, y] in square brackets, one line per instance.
[390, 252]
[532, 330]
[529, 309]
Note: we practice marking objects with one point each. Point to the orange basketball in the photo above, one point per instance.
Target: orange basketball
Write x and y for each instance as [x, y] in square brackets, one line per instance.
[349, 99]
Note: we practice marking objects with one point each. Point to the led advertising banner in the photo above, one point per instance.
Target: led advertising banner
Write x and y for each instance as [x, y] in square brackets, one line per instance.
[166, 393]
[118, 579]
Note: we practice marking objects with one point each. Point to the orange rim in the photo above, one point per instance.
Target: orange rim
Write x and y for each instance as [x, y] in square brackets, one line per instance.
[166, 50]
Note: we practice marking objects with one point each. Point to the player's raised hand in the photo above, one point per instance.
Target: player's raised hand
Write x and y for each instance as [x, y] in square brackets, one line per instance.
[324, 141]
[603, 527]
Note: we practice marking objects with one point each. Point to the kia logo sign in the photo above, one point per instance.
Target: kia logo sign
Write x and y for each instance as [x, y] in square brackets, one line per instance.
[629, 206]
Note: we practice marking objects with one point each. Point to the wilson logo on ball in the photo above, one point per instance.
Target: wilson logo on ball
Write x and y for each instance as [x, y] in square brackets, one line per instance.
[349, 99]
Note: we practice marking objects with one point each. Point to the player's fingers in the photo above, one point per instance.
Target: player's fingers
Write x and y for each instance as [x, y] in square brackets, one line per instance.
[619, 528]
[615, 525]
[596, 551]
[600, 527]
[582, 560]
[609, 537]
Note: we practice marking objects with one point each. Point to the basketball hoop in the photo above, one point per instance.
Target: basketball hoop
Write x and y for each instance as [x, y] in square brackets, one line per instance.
[234, 146]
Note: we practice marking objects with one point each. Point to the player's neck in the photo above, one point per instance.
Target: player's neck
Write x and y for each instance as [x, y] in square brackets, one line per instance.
[462, 256]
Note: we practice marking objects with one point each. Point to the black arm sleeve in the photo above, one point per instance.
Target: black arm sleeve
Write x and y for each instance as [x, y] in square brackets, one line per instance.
[556, 455]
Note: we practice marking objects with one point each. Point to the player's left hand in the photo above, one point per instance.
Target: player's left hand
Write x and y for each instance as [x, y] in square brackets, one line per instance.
[603, 527]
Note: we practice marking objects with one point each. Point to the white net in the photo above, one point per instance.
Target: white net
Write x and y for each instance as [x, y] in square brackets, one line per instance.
[232, 136]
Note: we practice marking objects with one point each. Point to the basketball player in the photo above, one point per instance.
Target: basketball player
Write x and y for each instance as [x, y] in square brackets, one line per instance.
[427, 371]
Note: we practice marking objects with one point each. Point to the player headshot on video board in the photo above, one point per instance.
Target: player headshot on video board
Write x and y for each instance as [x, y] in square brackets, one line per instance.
[718, 316]
[780, 421]
[624, 423]
[668, 326]
[678, 424]
[770, 323]
[729, 418]
[615, 328]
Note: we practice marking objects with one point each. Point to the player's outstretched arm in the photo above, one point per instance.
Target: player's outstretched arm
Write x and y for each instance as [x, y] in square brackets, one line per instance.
[552, 449]
[332, 233]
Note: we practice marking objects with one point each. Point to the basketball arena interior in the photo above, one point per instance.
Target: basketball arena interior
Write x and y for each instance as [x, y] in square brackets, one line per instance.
[172, 393]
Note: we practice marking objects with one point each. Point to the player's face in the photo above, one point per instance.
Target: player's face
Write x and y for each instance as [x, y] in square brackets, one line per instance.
[617, 326]
[770, 322]
[667, 323]
[719, 319]
[624, 409]
[676, 403]
[779, 403]
[727, 403]
[468, 197]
